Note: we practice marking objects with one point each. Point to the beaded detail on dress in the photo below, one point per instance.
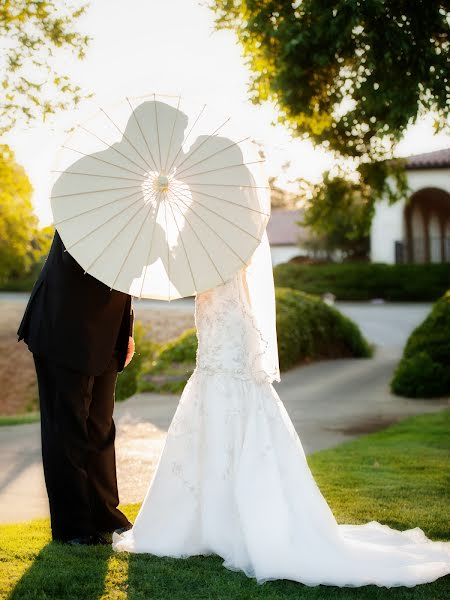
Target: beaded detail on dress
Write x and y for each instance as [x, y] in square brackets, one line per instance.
[227, 333]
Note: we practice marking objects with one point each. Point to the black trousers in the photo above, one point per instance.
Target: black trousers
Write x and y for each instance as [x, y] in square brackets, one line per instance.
[78, 433]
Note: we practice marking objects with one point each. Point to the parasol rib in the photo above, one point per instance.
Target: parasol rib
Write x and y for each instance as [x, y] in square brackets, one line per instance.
[185, 138]
[142, 134]
[222, 217]
[104, 223]
[225, 200]
[126, 138]
[104, 161]
[157, 132]
[158, 202]
[133, 243]
[114, 148]
[183, 246]
[210, 156]
[204, 142]
[168, 252]
[254, 187]
[97, 175]
[171, 135]
[253, 162]
[96, 207]
[124, 187]
[200, 241]
[116, 235]
[211, 228]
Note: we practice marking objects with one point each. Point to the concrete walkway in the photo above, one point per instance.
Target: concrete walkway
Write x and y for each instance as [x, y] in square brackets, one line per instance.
[329, 402]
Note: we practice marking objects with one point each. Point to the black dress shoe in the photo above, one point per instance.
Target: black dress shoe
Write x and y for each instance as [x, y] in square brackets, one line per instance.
[88, 540]
[108, 535]
[123, 529]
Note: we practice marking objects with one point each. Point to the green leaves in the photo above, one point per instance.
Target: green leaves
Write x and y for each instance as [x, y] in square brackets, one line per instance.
[22, 243]
[33, 31]
[17, 221]
[340, 213]
[350, 73]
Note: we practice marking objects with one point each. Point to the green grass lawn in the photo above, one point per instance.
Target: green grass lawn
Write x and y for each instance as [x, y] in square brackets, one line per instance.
[399, 476]
[7, 420]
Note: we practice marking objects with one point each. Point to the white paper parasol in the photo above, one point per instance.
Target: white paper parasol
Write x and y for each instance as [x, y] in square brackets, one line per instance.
[148, 216]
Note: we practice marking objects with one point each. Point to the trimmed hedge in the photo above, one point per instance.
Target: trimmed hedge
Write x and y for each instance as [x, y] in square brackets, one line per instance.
[172, 366]
[424, 370]
[308, 330]
[365, 281]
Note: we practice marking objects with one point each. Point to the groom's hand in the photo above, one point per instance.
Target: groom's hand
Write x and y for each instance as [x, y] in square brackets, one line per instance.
[130, 351]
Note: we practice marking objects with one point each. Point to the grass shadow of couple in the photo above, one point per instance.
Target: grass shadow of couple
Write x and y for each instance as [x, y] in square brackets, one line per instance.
[61, 572]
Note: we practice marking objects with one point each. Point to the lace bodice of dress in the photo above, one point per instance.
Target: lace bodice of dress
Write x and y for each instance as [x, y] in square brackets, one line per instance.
[228, 339]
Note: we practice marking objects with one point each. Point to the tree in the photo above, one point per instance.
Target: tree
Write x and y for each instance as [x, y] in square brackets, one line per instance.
[351, 75]
[339, 217]
[19, 238]
[339, 211]
[32, 31]
[280, 198]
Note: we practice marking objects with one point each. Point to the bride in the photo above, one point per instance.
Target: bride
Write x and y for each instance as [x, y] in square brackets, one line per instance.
[233, 479]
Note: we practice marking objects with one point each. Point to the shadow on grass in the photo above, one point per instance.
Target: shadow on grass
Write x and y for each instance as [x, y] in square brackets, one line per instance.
[398, 476]
[93, 573]
[204, 578]
[64, 572]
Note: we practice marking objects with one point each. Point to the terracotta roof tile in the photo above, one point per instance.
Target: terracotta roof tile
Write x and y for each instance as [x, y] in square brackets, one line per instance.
[429, 160]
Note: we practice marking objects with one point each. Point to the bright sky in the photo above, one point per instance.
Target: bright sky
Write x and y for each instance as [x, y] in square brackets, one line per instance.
[163, 46]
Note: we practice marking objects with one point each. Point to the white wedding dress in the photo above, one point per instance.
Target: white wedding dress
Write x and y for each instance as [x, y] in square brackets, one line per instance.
[233, 479]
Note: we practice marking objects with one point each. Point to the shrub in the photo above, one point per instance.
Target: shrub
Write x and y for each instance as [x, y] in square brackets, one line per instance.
[424, 370]
[127, 380]
[308, 329]
[25, 282]
[364, 281]
[172, 366]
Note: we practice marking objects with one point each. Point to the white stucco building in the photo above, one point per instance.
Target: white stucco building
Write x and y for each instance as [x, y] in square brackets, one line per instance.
[416, 230]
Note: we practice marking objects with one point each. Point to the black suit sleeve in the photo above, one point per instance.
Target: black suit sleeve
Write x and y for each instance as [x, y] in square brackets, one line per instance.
[131, 320]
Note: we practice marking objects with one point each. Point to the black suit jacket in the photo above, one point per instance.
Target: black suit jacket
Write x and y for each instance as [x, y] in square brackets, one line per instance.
[73, 318]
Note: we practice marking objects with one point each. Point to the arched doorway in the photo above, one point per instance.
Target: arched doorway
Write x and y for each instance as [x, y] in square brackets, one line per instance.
[427, 226]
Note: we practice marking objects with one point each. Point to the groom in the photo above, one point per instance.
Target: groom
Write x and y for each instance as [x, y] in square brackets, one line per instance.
[80, 334]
